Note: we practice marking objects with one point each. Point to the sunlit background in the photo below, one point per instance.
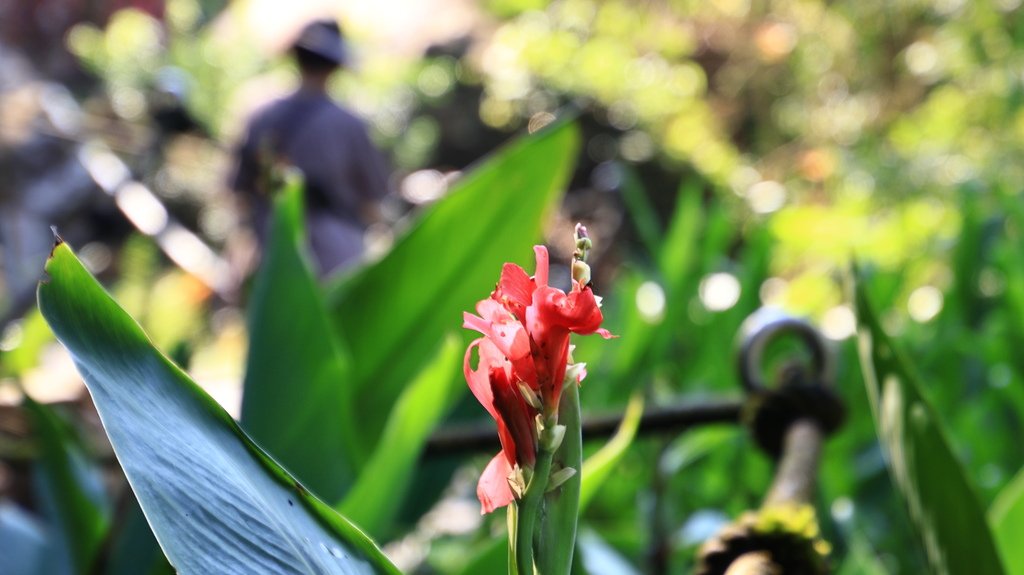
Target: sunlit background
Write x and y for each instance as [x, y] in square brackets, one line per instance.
[815, 132]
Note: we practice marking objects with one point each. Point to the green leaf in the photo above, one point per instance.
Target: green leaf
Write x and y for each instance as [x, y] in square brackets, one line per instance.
[131, 548]
[72, 489]
[393, 313]
[295, 402]
[493, 557]
[557, 526]
[678, 253]
[950, 522]
[645, 218]
[599, 466]
[1007, 519]
[384, 480]
[214, 499]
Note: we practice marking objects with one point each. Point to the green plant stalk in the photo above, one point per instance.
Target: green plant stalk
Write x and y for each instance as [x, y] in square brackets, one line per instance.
[529, 507]
[555, 536]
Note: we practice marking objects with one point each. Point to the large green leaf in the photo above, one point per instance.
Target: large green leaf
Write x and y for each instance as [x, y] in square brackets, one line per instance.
[394, 312]
[941, 502]
[1007, 519]
[295, 402]
[385, 479]
[215, 500]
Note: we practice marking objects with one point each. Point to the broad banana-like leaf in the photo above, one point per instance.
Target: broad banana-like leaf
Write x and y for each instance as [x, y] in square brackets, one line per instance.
[943, 506]
[296, 401]
[383, 483]
[216, 501]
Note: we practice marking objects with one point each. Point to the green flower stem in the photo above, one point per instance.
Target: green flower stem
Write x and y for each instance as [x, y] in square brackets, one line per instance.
[528, 508]
[555, 536]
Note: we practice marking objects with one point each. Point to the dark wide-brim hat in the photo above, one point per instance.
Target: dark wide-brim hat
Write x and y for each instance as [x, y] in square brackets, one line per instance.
[323, 38]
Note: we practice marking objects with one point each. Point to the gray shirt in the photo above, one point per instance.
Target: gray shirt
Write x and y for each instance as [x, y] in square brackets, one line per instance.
[341, 167]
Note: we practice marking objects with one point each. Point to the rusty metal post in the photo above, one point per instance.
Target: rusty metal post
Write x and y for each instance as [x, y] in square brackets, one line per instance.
[790, 422]
[797, 473]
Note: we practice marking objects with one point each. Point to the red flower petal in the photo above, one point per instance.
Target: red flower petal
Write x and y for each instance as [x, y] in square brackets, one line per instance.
[517, 417]
[493, 489]
[540, 275]
[497, 325]
[479, 379]
[577, 311]
[515, 290]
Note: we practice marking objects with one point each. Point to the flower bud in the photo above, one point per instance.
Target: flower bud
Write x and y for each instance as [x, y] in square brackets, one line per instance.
[551, 438]
[581, 272]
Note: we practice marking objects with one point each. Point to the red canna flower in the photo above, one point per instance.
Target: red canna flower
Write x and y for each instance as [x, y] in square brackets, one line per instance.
[522, 361]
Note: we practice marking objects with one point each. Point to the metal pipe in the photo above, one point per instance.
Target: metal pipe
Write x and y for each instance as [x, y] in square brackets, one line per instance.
[797, 472]
[482, 438]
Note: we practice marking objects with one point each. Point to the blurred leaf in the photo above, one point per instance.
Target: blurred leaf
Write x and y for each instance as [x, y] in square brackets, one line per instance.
[132, 548]
[676, 256]
[492, 558]
[33, 334]
[943, 506]
[212, 496]
[599, 466]
[393, 313]
[861, 559]
[645, 218]
[296, 396]
[694, 445]
[70, 487]
[384, 480]
[600, 558]
[679, 250]
[1007, 519]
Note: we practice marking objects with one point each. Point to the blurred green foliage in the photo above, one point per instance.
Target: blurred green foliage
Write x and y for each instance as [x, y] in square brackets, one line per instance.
[758, 148]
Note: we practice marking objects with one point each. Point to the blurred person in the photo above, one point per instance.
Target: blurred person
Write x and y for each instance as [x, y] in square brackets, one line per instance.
[344, 174]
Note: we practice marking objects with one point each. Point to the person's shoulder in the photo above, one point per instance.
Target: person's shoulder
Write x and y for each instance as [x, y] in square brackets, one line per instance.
[342, 114]
[270, 112]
